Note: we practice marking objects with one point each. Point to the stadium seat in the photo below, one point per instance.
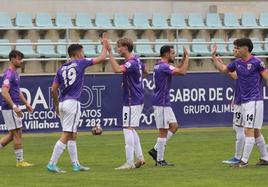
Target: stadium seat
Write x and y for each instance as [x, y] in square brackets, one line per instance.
[89, 50]
[230, 46]
[200, 49]
[257, 47]
[179, 48]
[121, 20]
[47, 50]
[159, 20]
[43, 20]
[83, 20]
[177, 20]
[24, 19]
[249, 20]
[63, 20]
[222, 50]
[102, 20]
[266, 46]
[263, 19]
[230, 20]
[62, 48]
[157, 47]
[213, 20]
[27, 50]
[4, 49]
[195, 20]
[5, 20]
[144, 49]
[140, 20]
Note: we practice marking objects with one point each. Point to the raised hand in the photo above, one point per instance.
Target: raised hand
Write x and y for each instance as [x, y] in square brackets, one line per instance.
[185, 52]
[214, 50]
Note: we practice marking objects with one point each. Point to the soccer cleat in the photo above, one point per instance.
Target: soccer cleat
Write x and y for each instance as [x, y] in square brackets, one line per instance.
[139, 163]
[125, 166]
[231, 161]
[78, 167]
[262, 163]
[153, 154]
[54, 168]
[23, 163]
[163, 163]
[240, 164]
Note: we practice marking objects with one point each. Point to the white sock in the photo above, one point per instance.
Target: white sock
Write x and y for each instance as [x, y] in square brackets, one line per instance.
[161, 144]
[249, 143]
[129, 147]
[240, 141]
[19, 154]
[72, 149]
[260, 142]
[169, 135]
[58, 150]
[137, 145]
[1, 147]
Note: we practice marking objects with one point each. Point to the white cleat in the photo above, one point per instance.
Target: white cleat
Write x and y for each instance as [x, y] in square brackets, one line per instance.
[125, 166]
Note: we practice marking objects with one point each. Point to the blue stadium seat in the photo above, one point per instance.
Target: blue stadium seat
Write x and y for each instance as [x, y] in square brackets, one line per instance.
[140, 20]
[27, 50]
[102, 20]
[121, 20]
[177, 20]
[222, 50]
[230, 20]
[62, 48]
[200, 49]
[159, 20]
[263, 19]
[230, 46]
[144, 49]
[179, 48]
[43, 20]
[4, 49]
[266, 46]
[63, 20]
[257, 47]
[213, 20]
[248, 20]
[83, 20]
[5, 20]
[24, 19]
[157, 47]
[89, 50]
[196, 20]
[47, 50]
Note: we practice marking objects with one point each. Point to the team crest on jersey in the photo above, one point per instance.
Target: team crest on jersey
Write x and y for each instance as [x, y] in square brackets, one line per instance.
[6, 82]
[171, 67]
[249, 66]
[127, 64]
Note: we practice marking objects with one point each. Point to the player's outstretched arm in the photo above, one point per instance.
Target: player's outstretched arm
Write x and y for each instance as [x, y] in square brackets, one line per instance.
[181, 68]
[102, 56]
[6, 96]
[24, 101]
[115, 66]
[217, 61]
[264, 75]
[55, 96]
[233, 75]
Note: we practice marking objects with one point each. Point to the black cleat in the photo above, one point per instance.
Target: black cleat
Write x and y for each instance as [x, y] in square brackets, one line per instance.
[153, 154]
[163, 163]
[240, 164]
[262, 163]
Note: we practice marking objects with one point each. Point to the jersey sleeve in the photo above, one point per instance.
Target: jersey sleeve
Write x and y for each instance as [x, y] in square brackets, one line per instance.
[261, 67]
[87, 62]
[168, 69]
[57, 77]
[231, 67]
[7, 79]
[127, 67]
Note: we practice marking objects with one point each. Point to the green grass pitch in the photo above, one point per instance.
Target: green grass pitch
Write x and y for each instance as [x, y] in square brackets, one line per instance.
[197, 154]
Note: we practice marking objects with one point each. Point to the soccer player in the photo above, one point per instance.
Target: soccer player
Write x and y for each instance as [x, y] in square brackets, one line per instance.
[250, 71]
[133, 99]
[11, 109]
[164, 117]
[70, 79]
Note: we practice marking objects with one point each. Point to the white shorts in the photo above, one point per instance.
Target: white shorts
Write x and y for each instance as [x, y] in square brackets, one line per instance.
[131, 115]
[11, 119]
[70, 112]
[253, 114]
[164, 115]
[237, 117]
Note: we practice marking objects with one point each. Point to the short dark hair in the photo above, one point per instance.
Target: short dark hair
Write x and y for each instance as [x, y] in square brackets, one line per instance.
[244, 42]
[127, 42]
[165, 49]
[15, 54]
[73, 49]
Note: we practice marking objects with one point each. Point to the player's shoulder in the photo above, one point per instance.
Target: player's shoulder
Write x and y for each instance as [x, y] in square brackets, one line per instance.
[8, 73]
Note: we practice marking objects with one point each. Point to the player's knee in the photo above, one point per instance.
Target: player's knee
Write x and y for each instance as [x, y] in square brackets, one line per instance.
[174, 127]
[257, 133]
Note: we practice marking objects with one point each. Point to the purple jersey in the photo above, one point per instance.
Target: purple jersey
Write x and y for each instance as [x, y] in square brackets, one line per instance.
[162, 80]
[70, 77]
[11, 80]
[249, 78]
[132, 82]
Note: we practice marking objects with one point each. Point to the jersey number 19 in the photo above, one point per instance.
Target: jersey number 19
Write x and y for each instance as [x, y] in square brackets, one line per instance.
[69, 76]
